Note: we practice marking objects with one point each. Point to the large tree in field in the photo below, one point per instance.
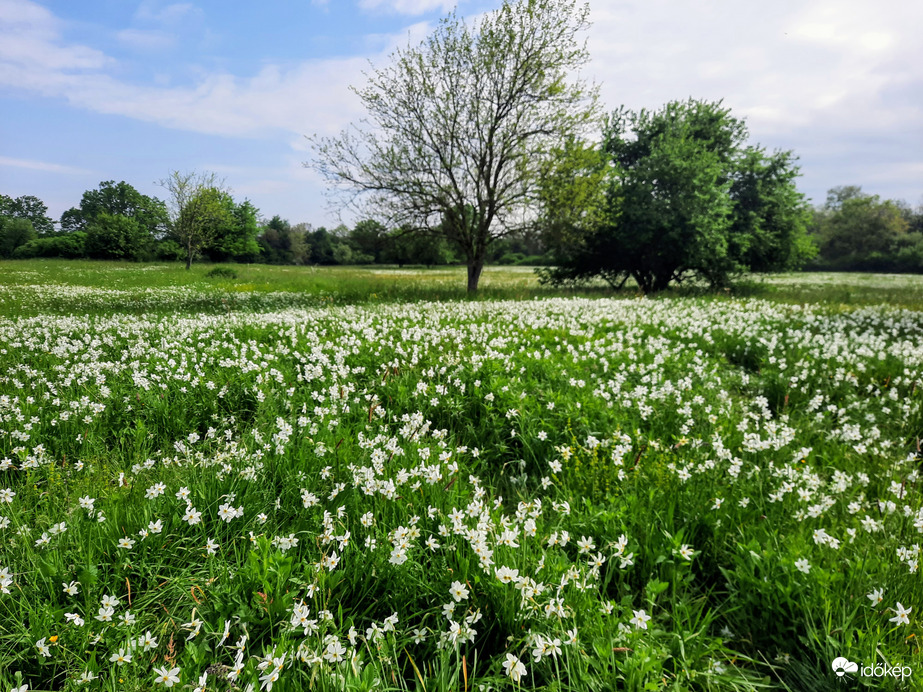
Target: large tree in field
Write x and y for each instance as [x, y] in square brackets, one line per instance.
[196, 203]
[461, 126]
[674, 193]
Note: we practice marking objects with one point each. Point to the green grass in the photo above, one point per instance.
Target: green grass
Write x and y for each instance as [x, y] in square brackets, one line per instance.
[693, 492]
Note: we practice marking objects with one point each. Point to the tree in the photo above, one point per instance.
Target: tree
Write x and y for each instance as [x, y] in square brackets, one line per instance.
[466, 121]
[298, 243]
[116, 236]
[368, 238]
[196, 210]
[119, 222]
[674, 193]
[15, 232]
[28, 207]
[276, 241]
[856, 230]
[237, 239]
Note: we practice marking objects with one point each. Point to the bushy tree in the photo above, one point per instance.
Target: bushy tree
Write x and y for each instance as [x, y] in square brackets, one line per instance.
[66, 245]
[28, 207]
[118, 222]
[859, 231]
[236, 240]
[368, 237]
[197, 210]
[466, 122]
[116, 236]
[276, 241]
[671, 194]
[14, 232]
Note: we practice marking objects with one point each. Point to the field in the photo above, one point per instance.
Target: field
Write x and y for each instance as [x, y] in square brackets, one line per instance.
[358, 479]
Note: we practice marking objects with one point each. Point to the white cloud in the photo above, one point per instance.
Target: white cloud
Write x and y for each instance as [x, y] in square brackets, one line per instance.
[146, 39]
[167, 14]
[410, 7]
[787, 66]
[43, 166]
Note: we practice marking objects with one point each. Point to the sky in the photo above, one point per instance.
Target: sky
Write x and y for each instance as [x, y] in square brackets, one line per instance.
[96, 90]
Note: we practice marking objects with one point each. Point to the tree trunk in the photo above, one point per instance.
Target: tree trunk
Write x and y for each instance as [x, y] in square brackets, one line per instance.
[474, 274]
[188, 261]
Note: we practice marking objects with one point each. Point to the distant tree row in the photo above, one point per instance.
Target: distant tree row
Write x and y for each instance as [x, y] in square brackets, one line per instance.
[115, 221]
[856, 231]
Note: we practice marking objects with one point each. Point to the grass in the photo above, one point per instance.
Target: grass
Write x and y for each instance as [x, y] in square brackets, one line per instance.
[332, 482]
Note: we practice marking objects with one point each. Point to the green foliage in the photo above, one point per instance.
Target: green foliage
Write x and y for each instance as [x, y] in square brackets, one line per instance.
[221, 273]
[275, 241]
[198, 210]
[28, 207]
[235, 238]
[855, 230]
[671, 194]
[115, 236]
[14, 233]
[67, 246]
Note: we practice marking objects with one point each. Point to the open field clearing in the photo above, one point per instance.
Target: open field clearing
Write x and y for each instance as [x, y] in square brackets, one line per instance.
[283, 491]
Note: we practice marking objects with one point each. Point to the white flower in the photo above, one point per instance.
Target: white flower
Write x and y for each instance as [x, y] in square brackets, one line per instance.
[167, 677]
[514, 667]
[640, 619]
[901, 614]
[121, 657]
[803, 565]
[458, 591]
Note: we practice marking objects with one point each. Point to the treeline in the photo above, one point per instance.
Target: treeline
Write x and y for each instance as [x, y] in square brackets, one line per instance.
[856, 231]
[851, 231]
[116, 222]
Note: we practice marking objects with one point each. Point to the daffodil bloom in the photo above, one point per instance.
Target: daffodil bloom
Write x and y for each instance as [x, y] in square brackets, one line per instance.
[901, 614]
[121, 657]
[514, 668]
[167, 677]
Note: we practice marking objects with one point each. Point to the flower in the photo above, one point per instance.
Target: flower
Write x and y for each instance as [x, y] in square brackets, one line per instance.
[514, 667]
[686, 552]
[121, 657]
[458, 591]
[148, 642]
[334, 651]
[876, 597]
[167, 677]
[71, 589]
[126, 543]
[901, 613]
[46, 652]
[803, 565]
[640, 619]
[86, 676]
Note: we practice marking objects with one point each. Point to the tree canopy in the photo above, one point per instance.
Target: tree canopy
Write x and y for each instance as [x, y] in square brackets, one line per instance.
[27, 207]
[197, 210]
[461, 127]
[670, 194]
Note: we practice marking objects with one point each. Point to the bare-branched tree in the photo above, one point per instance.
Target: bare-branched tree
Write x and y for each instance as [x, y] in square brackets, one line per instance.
[460, 128]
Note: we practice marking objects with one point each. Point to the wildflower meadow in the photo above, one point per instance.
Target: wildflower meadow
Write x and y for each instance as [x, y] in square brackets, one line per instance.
[291, 492]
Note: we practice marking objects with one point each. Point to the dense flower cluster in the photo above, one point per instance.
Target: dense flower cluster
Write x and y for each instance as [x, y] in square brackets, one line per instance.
[257, 498]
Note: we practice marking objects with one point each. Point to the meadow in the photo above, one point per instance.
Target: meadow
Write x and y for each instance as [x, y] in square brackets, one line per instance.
[362, 479]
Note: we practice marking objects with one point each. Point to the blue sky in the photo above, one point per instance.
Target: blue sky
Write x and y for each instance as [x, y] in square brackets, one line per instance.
[131, 89]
